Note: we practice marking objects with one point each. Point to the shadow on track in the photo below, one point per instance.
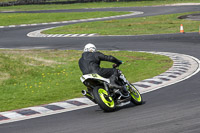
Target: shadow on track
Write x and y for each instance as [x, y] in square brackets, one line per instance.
[130, 105]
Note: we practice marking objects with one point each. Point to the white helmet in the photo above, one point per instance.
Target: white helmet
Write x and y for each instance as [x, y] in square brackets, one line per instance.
[89, 48]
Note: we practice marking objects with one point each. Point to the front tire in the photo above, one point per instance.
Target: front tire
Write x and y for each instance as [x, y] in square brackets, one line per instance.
[136, 97]
[104, 101]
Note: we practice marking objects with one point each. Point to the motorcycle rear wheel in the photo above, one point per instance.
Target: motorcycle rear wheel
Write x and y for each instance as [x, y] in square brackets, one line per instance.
[105, 102]
[136, 97]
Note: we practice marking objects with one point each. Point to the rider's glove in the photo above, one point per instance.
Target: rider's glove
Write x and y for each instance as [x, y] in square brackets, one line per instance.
[119, 63]
[116, 65]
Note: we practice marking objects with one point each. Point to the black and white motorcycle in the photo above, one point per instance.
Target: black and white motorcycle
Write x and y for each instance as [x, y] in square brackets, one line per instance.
[107, 98]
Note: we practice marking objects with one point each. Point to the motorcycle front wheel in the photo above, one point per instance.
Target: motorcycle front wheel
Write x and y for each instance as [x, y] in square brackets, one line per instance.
[105, 102]
[136, 98]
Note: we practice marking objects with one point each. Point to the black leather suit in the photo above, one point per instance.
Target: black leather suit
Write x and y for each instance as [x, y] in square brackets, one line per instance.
[90, 63]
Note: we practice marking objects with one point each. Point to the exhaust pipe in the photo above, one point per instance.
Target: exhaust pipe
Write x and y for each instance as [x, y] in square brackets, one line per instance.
[88, 95]
[84, 92]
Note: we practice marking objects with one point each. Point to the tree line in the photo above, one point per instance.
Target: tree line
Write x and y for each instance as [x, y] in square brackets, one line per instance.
[25, 2]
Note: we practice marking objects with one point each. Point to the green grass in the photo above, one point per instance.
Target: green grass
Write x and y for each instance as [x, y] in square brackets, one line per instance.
[134, 26]
[95, 5]
[27, 18]
[35, 77]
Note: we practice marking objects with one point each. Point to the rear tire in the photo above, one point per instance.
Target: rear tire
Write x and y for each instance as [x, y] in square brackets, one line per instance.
[136, 97]
[101, 96]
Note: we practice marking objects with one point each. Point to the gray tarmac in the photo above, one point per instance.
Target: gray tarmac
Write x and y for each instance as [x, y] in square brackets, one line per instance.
[195, 17]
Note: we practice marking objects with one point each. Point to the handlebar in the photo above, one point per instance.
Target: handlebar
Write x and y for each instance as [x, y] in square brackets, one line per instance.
[117, 65]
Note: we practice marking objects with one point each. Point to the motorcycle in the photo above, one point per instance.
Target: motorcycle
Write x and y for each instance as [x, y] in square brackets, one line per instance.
[99, 92]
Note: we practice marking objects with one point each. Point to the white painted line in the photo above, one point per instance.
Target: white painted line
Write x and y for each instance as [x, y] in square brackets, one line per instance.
[55, 35]
[82, 20]
[22, 25]
[82, 35]
[91, 19]
[155, 79]
[60, 35]
[11, 115]
[54, 22]
[33, 24]
[39, 34]
[43, 23]
[7, 11]
[63, 104]
[46, 114]
[65, 22]
[83, 100]
[91, 34]
[49, 35]
[97, 18]
[106, 17]
[74, 35]
[72, 21]
[67, 35]
[12, 26]
[40, 109]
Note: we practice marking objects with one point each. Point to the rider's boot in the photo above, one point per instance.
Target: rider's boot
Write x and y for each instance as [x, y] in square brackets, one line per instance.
[113, 82]
[115, 86]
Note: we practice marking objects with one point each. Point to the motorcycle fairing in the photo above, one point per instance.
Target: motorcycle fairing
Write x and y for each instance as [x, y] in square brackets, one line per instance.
[94, 76]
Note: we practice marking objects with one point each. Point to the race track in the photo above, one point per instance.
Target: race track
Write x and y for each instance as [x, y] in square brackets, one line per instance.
[172, 109]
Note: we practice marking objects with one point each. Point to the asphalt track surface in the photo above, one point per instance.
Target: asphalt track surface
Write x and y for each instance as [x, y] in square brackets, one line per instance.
[172, 109]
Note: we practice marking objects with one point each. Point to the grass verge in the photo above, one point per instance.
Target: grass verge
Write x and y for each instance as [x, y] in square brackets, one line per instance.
[31, 18]
[35, 77]
[95, 5]
[135, 26]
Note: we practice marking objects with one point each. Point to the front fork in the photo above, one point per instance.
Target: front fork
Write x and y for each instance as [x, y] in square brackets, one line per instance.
[123, 78]
[106, 87]
[127, 84]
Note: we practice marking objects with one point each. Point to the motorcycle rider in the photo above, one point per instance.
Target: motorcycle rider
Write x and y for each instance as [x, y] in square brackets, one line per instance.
[90, 63]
